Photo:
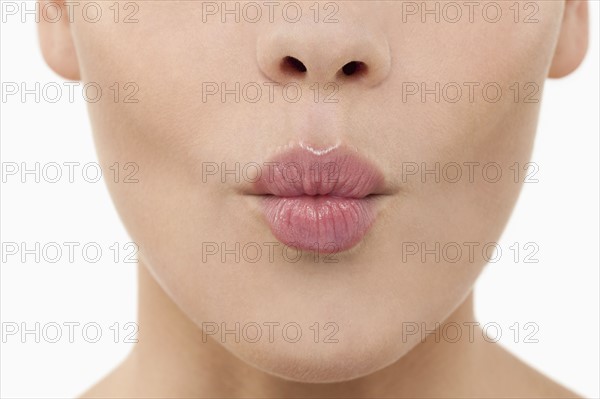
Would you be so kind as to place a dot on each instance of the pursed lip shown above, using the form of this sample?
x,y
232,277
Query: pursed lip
x,y
319,201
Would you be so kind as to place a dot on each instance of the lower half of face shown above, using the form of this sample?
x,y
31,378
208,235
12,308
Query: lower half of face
x,y
441,106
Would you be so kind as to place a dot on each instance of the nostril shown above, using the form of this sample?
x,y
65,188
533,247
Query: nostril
x,y
291,64
354,67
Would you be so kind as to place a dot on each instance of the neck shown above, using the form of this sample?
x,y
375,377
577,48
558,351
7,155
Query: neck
x,y
173,359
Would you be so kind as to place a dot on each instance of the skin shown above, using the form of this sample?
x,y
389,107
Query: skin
x,y
369,294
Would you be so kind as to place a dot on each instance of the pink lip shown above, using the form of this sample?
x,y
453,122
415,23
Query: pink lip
x,y
322,202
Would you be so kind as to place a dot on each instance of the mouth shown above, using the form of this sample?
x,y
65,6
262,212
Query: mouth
x,y
320,202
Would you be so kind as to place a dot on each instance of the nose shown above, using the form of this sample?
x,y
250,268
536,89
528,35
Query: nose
x,y
312,52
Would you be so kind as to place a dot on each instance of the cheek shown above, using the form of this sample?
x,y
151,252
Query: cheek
x,y
465,100
153,74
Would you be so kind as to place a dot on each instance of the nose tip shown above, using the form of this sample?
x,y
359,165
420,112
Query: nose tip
x,y
324,54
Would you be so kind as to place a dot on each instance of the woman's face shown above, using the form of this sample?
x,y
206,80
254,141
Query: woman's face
x,y
421,121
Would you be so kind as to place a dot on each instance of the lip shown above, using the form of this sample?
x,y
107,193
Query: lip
x,y
321,201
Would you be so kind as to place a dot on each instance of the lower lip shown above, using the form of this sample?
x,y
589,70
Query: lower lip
x,y
325,224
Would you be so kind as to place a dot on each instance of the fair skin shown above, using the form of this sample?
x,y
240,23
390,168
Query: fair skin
x,y
370,295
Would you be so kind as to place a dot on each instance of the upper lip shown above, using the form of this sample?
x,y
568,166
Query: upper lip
x,y
339,172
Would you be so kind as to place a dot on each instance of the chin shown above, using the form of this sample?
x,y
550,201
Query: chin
x,y
353,356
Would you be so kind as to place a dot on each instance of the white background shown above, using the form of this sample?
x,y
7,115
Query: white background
x,y
560,213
